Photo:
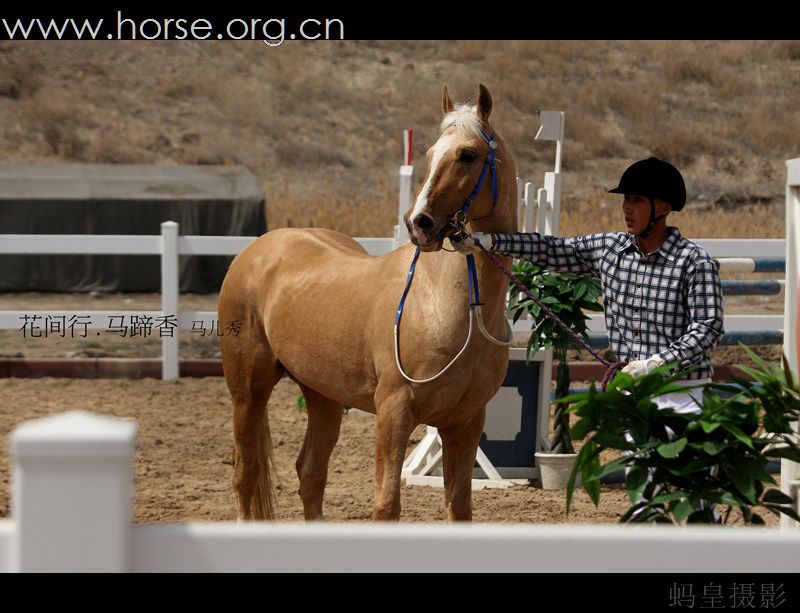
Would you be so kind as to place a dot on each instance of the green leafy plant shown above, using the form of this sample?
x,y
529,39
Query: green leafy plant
x,y
718,457
302,406
567,295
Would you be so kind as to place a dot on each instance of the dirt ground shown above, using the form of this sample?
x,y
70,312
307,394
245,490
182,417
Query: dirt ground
x,y
183,456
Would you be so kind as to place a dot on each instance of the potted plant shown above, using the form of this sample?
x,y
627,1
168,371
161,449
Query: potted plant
x,y
718,457
568,295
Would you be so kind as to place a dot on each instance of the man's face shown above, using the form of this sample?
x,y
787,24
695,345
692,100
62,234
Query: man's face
x,y
637,212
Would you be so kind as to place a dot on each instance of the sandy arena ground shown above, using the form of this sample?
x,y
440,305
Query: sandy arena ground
x,y
183,459
183,456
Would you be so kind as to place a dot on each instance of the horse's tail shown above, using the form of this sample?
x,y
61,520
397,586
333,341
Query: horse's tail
x,y
253,463
262,504
251,371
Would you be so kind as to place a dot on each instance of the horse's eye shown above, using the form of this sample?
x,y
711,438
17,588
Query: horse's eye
x,y
467,156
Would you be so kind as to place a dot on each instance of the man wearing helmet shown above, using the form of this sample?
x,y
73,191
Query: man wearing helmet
x,y
662,293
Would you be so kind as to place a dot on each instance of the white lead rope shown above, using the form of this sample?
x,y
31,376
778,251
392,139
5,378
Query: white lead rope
x,y
481,327
488,336
444,370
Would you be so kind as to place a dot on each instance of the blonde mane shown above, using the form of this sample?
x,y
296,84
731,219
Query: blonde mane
x,y
465,118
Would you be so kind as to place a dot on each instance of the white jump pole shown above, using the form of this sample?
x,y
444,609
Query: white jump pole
x,y
548,220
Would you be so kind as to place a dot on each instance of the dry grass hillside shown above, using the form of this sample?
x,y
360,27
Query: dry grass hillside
x,y
321,123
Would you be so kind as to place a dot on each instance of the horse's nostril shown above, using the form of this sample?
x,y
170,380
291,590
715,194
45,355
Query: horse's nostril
x,y
423,222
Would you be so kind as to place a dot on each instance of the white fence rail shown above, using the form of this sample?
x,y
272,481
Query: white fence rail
x,y
71,511
170,246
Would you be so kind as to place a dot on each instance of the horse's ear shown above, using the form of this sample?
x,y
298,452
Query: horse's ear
x,y
447,104
484,103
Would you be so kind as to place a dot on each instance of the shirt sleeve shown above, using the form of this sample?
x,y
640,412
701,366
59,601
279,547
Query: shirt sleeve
x,y
578,254
705,329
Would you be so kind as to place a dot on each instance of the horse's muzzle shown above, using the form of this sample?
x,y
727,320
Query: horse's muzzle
x,y
428,234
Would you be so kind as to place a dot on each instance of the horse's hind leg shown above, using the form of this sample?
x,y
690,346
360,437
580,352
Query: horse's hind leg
x,y
251,371
322,433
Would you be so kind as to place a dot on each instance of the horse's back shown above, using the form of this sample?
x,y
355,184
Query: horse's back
x,y
288,252
286,241
311,293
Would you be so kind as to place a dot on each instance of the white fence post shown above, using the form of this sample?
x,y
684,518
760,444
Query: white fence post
x,y
170,296
790,471
552,128
72,493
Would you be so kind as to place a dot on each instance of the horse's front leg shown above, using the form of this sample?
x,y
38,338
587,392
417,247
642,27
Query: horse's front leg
x,y
395,423
459,450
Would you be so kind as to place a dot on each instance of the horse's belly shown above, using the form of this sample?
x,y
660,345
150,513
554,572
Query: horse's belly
x,y
316,324
326,353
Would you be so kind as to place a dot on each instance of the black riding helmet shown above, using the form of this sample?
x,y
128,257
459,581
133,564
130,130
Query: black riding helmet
x,y
653,178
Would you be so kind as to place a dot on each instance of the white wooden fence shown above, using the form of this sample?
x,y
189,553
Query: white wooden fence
x,y
169,245
71,511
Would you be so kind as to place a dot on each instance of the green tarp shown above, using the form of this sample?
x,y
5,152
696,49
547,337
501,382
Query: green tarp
x,y
123,199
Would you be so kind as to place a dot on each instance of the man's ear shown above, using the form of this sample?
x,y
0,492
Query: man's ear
x,y
663,207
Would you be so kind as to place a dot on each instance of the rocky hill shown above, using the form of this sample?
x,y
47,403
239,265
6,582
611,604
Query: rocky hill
x,y
321,122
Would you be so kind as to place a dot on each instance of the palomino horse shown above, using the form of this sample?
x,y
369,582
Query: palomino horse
x,y
315,306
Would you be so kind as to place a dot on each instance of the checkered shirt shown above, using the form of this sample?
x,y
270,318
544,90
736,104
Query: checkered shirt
x,y
668,302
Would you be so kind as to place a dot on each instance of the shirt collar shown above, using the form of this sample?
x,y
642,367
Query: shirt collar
x,y
625,242
668,248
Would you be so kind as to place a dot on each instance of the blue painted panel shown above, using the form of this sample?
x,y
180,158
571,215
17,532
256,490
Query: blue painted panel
x,y
519,452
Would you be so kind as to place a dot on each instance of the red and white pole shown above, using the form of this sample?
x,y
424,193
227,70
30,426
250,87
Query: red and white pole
x,y
407,150
406,178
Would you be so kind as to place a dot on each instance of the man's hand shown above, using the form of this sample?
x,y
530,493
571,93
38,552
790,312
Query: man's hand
x,y
637,368
470,243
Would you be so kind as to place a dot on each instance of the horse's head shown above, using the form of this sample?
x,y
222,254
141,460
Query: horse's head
x,y
456,164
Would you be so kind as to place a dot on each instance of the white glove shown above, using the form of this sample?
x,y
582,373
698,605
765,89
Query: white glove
x,y
637,368
470,243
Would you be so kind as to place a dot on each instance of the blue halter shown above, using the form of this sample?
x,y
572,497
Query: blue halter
x,y
487,164
472,271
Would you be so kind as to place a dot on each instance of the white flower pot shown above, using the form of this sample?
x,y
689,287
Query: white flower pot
x,y
555,469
